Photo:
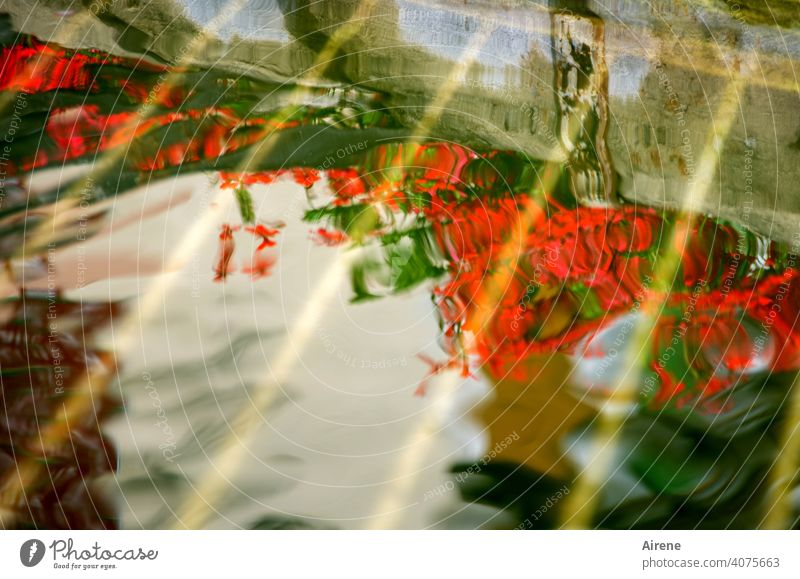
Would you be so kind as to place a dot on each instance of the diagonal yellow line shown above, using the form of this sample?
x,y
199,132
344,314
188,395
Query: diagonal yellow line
x,y
223,198
195,511
580,505
80,401
483,309
389,508
784,475
108,160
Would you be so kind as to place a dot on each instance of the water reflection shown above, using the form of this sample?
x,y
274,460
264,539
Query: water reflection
x,y
572,302
45,354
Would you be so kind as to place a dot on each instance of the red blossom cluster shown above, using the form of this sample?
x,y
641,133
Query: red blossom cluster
x,y
577,269
305,177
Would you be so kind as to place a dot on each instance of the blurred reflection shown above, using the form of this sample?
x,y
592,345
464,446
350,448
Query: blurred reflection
x,y
45,350
539,276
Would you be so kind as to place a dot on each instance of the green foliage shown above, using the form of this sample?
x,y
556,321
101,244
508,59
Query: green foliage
x,y
245,202
404,262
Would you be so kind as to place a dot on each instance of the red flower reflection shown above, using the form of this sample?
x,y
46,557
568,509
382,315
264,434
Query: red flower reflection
x,y
227,246
266,234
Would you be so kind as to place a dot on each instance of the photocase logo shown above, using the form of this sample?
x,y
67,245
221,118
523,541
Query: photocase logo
x,y
31,552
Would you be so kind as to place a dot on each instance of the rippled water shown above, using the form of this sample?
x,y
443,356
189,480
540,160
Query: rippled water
x,y
398,265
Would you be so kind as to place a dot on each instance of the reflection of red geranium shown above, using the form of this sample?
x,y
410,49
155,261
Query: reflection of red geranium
x,y
327,237
578,269
574,270
36,67
266,234
261,266
227,246
346,184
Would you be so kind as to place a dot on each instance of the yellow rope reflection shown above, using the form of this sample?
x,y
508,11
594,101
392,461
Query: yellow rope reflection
x,y
580,505
197,508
